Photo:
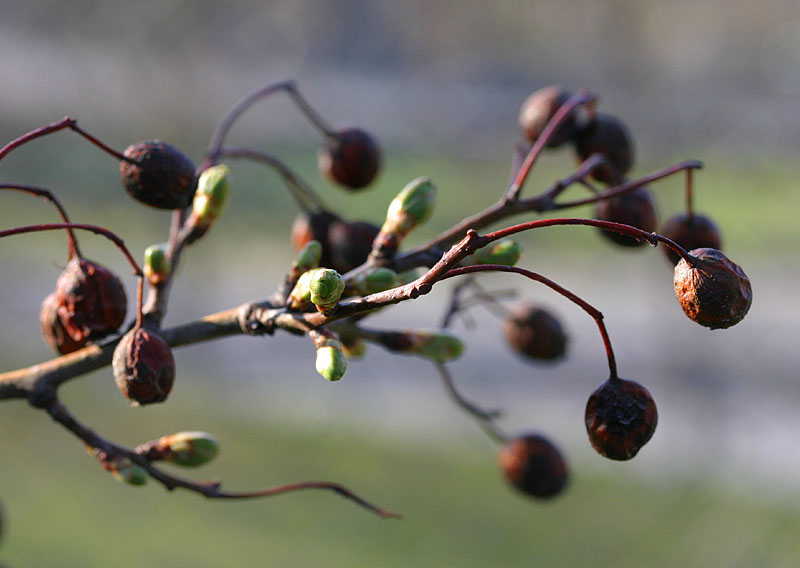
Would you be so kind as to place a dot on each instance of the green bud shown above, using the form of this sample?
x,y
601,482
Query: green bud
x,y
326,287
309,256
190,449
331,362
213,191
375,280
156,264
127,472
504,251
438,346
411,207
300,295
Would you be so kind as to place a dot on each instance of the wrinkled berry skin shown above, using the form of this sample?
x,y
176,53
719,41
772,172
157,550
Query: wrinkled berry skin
x,y
716,293
163,177
621,417
351,158
90,303
635,208
609,136
539,108
53,331
534,333
144,368
533,465
350,244
691,232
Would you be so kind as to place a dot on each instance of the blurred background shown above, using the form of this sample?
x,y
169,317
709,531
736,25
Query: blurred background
x,y
440,85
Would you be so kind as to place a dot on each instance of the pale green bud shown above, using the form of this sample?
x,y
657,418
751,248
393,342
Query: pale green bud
x,y
156,264
331,362
190,449
436,345
213,192
126,471
504,251
326,287
411,207
309,256
375,280
300,295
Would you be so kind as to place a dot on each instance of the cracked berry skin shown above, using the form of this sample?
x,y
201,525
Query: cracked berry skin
x,y
144,369
691,232
534,333
53,331
350,158
621,417
90,302
162,177
534,466
713,291
609,136
635,208
537,110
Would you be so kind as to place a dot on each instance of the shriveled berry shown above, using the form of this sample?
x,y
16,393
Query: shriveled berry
x,y
539,108
349,244
350,158
535,333
533,465
609,136
635,208
691,232
144,368
53,331
621,417
91,300
713,291
162,176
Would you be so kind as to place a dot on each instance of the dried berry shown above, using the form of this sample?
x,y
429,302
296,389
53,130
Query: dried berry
x,y
691,232
144,368
53,331
635,208
539,108
349,244
712,290
91,301
162,176
313,227
350,158
606,135
532,464
535,333
621,417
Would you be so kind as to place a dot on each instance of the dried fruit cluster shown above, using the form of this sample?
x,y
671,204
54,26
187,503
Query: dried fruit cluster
x,y
345,270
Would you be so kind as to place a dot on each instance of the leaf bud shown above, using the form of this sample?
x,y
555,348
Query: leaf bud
x,y
439,346
300,296
157,266
375,280
309,256
504,251
213,192
326,286
124,470
188,449
331,362
411,207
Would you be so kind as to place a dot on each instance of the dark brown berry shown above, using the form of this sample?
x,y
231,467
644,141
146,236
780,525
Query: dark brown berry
x,y
350,158
162,177
350,244
539,108
313,226
533,465
691,232
144,368
53,331
91,301
535,333
621,417
635,208
606,135
712,290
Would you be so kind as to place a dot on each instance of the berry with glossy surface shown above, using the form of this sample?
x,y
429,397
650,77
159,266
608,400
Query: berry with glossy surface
x,y
350,158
